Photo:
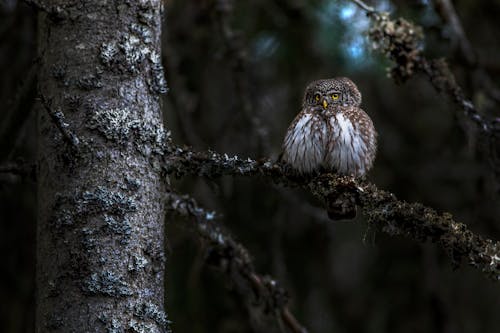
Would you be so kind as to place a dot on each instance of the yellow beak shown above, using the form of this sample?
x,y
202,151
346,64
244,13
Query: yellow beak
x,y
325,104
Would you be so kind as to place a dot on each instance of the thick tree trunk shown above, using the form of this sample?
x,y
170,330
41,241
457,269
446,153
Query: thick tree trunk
x,y
100,260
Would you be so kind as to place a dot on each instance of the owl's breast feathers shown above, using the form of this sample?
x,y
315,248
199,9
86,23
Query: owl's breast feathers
x,y
305,141
342,139
352,142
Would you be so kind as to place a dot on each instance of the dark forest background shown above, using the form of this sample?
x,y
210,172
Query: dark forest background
x,y
236,73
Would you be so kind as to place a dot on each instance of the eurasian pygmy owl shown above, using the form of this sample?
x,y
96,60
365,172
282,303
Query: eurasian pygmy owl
x,y
331,132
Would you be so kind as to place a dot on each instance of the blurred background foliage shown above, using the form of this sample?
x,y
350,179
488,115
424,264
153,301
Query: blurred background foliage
x,y
236,72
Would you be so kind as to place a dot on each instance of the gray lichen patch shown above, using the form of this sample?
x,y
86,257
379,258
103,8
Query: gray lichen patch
x,y
148,310
492,259
124,55
58,71
144,32
146,16
114,124
123,126
143,317
137,262
158,82
132,184
133,52
104,200
106,283
71,208
118,226
135,326
89,239
109,53
89,81
128,51
113,325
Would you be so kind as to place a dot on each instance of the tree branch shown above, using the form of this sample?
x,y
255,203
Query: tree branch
x,y
448,14
446,10
401,42
58,120
21,169
262,294
381,208
364,6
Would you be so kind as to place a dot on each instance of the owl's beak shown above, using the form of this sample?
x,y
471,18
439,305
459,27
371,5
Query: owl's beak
x,y
325,104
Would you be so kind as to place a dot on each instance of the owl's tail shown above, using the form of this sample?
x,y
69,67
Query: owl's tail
x,y
341,206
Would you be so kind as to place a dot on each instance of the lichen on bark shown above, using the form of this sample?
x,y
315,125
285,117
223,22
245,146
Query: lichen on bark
x,y
100,256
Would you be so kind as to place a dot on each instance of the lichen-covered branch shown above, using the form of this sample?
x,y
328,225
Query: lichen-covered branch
x,y
382,209
263,296
402,42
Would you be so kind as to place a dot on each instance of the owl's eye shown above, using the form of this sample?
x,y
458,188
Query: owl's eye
x,y
335,96
317,97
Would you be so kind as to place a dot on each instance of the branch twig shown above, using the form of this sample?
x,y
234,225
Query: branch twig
x,y
364,6
58,119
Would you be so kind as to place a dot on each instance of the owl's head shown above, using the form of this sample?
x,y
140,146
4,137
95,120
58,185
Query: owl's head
x,y
339,90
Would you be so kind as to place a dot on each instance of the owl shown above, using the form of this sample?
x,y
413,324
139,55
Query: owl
x,y
331,132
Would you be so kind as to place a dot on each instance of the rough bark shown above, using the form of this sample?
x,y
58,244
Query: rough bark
x,y
100,250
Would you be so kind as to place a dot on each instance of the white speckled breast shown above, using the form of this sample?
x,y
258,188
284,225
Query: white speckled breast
x,y
305,142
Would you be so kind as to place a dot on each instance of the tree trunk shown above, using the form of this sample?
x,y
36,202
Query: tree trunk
x,y
100,250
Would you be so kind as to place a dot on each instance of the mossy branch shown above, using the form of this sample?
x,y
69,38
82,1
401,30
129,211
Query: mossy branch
x,y
264,297
401,42
381,208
